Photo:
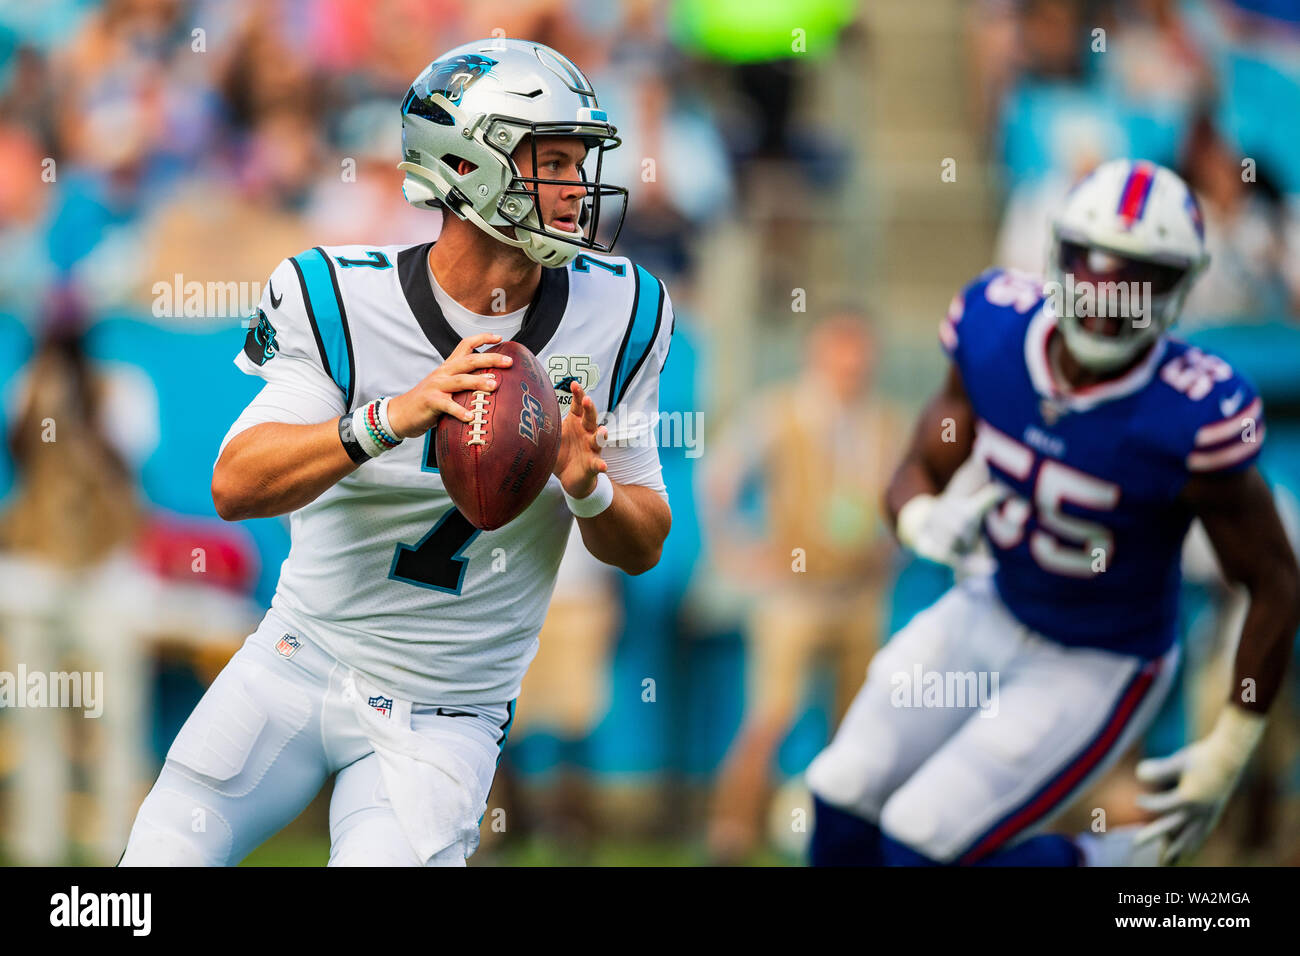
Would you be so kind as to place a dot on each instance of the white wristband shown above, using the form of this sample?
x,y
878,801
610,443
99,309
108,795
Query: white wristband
x,y
361,429
368,444
596,502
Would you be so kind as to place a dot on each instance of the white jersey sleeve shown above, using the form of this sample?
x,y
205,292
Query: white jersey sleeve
x,y
288,343
286,347
284,402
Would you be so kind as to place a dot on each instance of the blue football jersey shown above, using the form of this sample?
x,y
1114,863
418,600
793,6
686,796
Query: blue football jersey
x,y
1088,547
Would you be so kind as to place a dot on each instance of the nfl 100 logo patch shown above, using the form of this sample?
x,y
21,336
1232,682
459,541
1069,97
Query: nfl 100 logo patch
x,y
287,646
382,704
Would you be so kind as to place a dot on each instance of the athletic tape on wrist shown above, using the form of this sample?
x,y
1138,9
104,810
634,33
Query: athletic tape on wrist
x,y
596,502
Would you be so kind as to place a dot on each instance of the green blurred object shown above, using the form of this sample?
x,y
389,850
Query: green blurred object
x,y
758,31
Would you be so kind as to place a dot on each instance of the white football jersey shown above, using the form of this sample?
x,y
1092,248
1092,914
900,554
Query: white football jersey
x,y
383,571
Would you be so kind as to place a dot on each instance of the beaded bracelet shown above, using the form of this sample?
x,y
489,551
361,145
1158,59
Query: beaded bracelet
x,y
373,431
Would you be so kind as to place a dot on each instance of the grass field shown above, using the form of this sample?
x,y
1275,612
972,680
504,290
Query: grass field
x,y
289,850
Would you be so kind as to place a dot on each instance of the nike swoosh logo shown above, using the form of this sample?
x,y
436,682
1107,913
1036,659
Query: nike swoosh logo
x,y
451,713
1229,405
275,303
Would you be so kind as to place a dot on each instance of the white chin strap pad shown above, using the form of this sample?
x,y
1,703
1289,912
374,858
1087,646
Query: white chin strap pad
x,y
550,253
421,185
417,191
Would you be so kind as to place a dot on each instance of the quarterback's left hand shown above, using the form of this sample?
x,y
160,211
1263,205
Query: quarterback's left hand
x,y
579,462
1205,774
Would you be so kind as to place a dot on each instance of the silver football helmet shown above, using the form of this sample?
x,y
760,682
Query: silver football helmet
x,y
477,103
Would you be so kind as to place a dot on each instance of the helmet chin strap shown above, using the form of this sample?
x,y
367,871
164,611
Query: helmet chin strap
x,y
552,254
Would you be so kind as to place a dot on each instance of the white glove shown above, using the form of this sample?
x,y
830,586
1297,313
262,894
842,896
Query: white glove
x,y
947,528
1206,772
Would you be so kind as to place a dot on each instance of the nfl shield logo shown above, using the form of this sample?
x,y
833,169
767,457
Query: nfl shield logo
x,y
382,704
1050,411
287,646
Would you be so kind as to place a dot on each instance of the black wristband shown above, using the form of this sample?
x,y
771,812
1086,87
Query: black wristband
x,y
349,439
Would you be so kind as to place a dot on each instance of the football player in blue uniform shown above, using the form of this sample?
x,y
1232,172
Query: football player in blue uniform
x,y
1094,440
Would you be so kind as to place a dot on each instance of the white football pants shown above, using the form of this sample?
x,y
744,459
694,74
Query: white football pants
x,y
972,732
413,779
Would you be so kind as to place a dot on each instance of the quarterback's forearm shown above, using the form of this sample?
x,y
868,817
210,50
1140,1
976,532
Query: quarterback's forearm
x,y
274,468
630,533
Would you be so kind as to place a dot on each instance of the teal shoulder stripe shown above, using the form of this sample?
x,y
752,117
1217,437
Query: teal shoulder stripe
x,y
642,329
328,317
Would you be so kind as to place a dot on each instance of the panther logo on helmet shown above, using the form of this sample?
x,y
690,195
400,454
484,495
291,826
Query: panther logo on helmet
x,y
449,77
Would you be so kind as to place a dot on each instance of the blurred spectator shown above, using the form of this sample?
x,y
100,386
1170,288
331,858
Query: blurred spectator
x,y
360,199
75,503
386,42
1050,96
1155,57
234,228
265,74
1026,228
672,159
1251,234
28,99
25,269
822,446
1053,39
65,540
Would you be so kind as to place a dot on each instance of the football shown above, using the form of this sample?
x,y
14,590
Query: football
x,y
494,466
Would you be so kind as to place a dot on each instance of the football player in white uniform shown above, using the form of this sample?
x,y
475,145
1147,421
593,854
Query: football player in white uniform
x,y
399,634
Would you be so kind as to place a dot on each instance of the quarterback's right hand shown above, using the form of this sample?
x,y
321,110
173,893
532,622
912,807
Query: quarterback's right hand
x,y
415,412
946,528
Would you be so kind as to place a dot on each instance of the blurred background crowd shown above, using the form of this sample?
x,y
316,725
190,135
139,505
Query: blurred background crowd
x,y
813,180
